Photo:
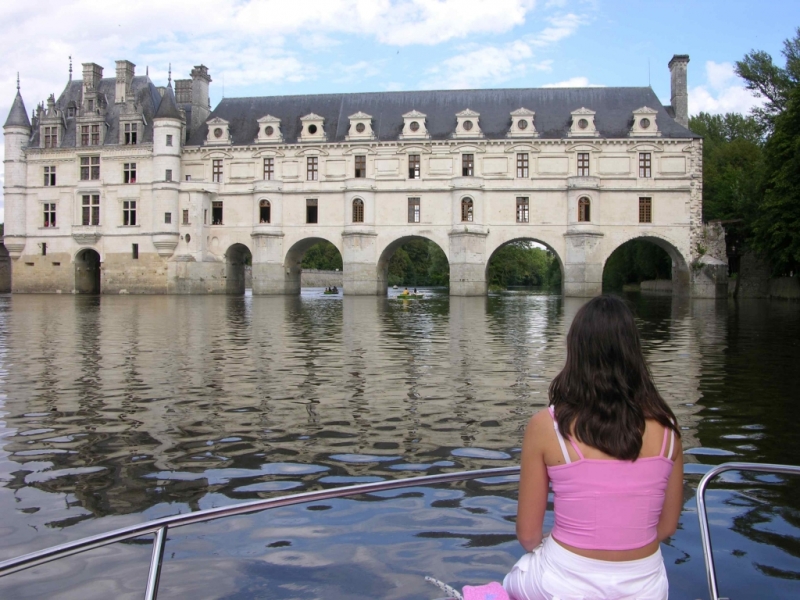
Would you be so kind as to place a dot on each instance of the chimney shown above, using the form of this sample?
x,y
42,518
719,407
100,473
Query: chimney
x,y
125,74
92,74
679,97
201,106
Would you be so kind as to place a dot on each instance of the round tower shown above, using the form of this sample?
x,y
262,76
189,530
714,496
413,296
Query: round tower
x,y
168,125
17,132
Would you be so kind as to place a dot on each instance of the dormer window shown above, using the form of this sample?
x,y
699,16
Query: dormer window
x,y
269,129
218,131
522,124
583,123
131,133
467,124
414,126
90,105
644,123
51,137
313,128
360,127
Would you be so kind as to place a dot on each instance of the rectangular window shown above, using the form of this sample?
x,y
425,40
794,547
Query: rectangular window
x,y
135,251
49,176
49,214
312,166
361,166
216,212
205,216
216,170
90,105
583,164
167,218
84,135
645,164
413,210
129,212
522,164
467,165
169,140
131,133
269,169
95,135
168,175
90,205
44,249
185,216
90,168
523,210
264,211
312,211
645,210
129,172
51,137
413,166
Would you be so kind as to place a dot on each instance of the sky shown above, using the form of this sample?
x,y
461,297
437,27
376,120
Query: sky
x,y
275,47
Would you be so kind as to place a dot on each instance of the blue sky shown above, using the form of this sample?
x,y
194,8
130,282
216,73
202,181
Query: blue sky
x,y
265,47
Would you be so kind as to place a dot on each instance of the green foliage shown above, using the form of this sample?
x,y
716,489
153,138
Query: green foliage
x,y
323,256
634,262
419,262
771,82
733,165
777,227
523,264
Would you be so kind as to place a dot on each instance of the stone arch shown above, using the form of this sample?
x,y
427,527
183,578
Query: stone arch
x,y
88,272
389,250
294,257
525,238
237,257
681,271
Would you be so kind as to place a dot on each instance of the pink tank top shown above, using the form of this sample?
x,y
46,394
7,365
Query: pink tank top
x,y
609,504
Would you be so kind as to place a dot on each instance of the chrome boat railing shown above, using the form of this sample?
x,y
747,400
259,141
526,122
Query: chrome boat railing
x,y
702,513
160,527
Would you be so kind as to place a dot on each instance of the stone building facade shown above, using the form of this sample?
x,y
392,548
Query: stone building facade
x,y
121,186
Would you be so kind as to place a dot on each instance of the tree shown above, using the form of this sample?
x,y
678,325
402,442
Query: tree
x,y
732,165
324,256
523,264
777,227
771,82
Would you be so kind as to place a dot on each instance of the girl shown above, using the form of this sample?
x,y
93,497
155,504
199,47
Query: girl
x,y
617,479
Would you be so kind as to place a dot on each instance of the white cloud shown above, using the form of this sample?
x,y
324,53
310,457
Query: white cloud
x,y
722,93
572,82
560,27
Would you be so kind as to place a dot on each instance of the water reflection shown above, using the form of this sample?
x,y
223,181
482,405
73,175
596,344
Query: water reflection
x,y
122,409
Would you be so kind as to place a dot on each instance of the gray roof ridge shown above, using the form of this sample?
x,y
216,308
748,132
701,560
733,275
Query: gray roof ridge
x,y
398,92
18,115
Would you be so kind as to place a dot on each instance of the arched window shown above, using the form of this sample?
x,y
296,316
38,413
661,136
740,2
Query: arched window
x,y
264,211
584,214
358,211
466,209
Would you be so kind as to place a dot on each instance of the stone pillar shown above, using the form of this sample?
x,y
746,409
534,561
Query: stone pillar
x,y
270,275
468,260
360,275
583,264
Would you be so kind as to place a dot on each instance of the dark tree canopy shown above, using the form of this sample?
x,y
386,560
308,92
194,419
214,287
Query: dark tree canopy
x,y
324,256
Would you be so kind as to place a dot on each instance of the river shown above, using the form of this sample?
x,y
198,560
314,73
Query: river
x,y
117,410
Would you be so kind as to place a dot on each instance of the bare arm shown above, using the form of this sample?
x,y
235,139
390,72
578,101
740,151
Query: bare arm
x,y
673,501
533,484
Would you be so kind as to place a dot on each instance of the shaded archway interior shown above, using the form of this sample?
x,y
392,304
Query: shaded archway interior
x,y
623,264
87,272
237,258
385,261
293,263
559,282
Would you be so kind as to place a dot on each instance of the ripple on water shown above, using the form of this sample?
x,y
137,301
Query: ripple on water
x,y
363,458
480,453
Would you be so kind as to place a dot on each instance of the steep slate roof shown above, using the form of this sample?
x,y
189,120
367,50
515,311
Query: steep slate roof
x,y
17,116
168,109
614,107
147,99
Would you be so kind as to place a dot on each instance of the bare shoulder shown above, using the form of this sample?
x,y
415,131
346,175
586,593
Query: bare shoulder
x,y
539,423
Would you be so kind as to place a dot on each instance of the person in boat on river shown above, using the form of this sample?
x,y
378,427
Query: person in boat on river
x,y
610,447
405,292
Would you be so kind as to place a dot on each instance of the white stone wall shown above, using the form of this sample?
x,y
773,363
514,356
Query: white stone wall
x,y
198,249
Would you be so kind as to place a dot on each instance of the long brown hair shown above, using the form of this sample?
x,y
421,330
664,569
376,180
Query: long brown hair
x,y
605,391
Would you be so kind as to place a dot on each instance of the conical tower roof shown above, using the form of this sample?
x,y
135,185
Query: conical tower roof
x,y
18,116
168,109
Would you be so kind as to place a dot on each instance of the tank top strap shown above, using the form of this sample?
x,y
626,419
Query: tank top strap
x,y
577,450
559,436
664,443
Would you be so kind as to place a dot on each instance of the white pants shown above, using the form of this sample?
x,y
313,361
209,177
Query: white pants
x,y
551,572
